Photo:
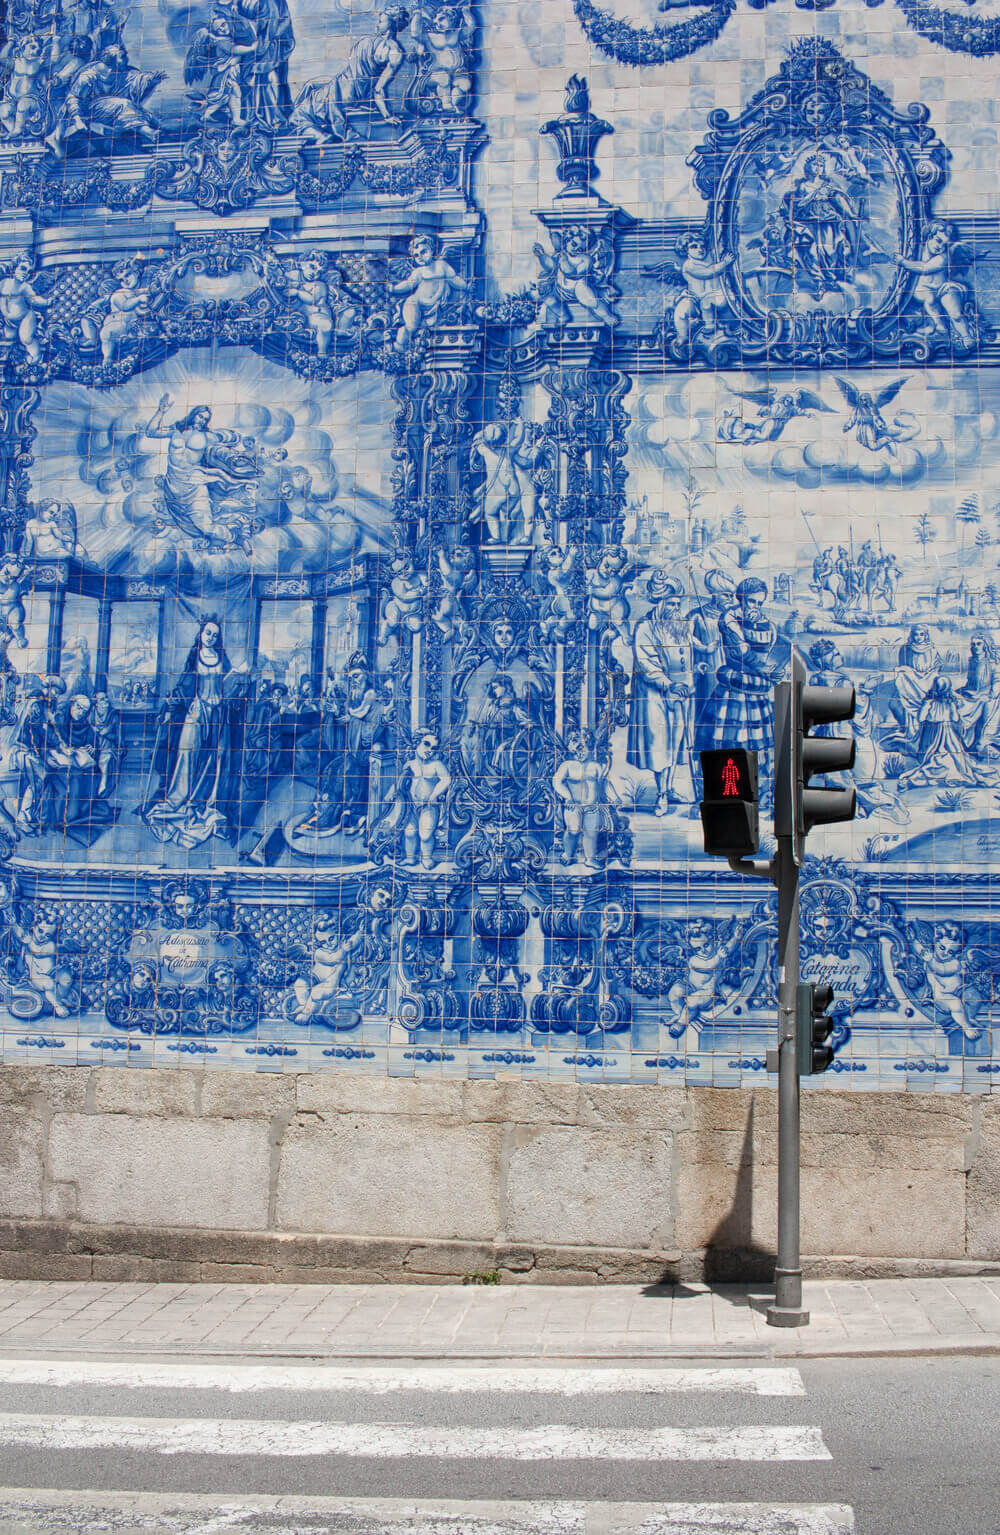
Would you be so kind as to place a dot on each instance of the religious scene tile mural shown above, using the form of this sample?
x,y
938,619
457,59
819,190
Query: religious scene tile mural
x,y
423,428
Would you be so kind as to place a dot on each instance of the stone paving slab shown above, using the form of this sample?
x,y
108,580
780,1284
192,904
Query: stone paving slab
x,y
448,1321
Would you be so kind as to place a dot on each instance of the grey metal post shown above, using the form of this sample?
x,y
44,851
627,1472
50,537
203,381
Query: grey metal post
x,y
787,1309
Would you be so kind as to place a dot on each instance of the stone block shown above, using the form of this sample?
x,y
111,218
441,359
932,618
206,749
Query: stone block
x,y
332,1094
714,1202
47,1088
161,1093
881,1212
22,1163
377,1175
983,1184
640,1106
593,1187
185,1172
524,1103
240,1095
726,1108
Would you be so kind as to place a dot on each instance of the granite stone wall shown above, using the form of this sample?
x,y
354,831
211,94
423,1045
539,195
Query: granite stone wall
x,y
185,1175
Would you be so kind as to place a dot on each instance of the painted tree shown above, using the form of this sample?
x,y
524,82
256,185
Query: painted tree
x,y
925,531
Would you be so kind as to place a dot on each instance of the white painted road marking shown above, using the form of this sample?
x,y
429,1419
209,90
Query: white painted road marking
x,y
54,1512
554,1441
377,1381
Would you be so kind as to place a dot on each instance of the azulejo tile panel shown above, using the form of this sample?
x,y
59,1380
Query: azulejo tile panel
x,y
422,429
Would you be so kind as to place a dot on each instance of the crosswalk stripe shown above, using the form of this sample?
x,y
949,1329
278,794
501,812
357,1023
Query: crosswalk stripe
x,y
209,1514
376,1381
250,1436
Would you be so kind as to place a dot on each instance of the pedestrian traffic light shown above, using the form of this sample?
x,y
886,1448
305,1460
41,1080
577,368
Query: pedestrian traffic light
x,y
812,1004
729,815
801,755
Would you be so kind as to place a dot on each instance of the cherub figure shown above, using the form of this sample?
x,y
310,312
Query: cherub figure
x,y
694,994
310,287
51,534
506,501
19,306
429,285
558,610
11,599
443,35
41,960
330,959
402,604
944,965
608,608
458,577
582,786
939,292
576,274
127,304
698,307
23,108
415,803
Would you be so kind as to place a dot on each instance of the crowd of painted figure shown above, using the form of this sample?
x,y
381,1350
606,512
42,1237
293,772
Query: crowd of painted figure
x,y
704,677
69,78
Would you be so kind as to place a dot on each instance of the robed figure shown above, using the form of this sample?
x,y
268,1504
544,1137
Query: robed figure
x,y
196,751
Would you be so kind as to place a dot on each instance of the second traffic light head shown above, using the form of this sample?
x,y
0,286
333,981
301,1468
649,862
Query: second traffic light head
x,y
824,754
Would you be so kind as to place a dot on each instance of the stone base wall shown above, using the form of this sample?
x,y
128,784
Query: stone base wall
x,y
121,1174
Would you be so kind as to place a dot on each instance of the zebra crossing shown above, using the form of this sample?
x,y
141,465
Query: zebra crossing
x,y
207,1430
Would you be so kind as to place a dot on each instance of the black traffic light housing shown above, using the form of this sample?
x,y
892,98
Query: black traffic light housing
x,y
800,755
729,810
814,1027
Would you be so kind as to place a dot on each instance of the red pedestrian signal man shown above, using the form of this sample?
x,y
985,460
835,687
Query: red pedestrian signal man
x,y
730,780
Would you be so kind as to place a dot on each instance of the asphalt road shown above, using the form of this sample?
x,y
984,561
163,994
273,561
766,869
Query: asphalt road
x,y
912,1446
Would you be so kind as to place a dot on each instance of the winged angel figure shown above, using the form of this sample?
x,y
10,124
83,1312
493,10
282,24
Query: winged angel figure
x,y
868,423
776,409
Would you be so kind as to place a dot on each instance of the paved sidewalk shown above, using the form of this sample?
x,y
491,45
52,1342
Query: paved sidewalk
x,y
620,1322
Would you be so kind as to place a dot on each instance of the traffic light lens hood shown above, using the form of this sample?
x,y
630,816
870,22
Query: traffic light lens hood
x,y
825,706
826,754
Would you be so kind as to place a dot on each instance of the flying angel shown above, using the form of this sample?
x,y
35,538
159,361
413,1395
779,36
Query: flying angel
x,y
867,422
776,409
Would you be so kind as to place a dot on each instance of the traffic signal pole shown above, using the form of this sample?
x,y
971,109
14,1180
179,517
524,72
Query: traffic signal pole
x,y
798,755
787,1309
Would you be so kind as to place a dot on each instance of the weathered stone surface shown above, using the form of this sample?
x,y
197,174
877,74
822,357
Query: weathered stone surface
x,y
644,1107
246,1095
589,1186
983,1184
526,1103
379,1176
333,1094
145,1092
878,1212
22,1162
714,1203
157,1171
49,1088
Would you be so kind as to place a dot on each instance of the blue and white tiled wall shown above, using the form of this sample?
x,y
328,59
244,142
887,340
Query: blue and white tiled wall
x,y
421,430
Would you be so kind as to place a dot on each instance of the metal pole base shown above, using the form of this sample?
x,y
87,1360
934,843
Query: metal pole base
x,y
786,1316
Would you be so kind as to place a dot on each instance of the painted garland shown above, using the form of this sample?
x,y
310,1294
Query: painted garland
x,y
661,44
651,45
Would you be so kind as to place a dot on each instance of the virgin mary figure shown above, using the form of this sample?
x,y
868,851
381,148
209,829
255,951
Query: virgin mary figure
x,y
193,752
